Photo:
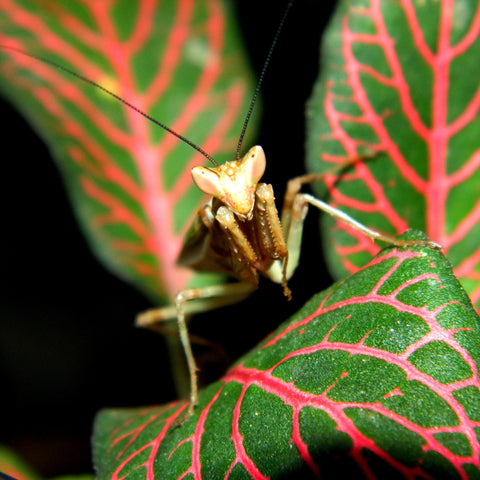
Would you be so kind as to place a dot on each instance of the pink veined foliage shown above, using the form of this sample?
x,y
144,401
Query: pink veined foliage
x,y
304,403
375,377
130,180
400,85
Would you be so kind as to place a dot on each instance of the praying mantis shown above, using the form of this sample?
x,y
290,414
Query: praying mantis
x,y
240,232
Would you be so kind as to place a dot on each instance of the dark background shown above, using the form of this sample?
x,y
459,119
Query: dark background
x,y
68,346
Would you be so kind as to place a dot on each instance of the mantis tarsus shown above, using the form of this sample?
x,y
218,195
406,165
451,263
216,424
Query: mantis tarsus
x,y
239,231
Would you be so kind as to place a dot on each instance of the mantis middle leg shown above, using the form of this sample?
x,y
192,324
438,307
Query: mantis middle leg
x,y
295,209
191,301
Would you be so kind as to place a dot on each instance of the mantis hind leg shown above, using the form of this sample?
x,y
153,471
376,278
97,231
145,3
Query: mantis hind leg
x,y
190,301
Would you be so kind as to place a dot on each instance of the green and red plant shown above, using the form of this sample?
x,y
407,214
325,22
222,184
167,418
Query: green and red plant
x,y
401,79
378,375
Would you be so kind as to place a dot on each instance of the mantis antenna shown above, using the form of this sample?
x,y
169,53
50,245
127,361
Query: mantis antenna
x,y
146,115
260,79
114,95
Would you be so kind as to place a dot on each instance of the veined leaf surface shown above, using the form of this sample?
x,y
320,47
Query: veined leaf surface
x,y
129,181
376,377
402,79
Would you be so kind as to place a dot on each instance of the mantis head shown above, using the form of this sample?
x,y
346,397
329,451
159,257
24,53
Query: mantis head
x,y
234,183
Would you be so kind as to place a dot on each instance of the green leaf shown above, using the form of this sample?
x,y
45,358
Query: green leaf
x,y
16,467
400,79
375,377
129,180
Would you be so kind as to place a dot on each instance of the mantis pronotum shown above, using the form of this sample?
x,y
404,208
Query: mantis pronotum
x,y
239,231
